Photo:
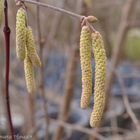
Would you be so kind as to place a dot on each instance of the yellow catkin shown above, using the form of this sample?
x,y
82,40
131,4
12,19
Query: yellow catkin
x,y
1,11
29,74
86,67
31,48
100,74
21,33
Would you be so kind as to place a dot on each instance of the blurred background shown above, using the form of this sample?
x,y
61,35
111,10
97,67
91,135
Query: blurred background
x,y
53,112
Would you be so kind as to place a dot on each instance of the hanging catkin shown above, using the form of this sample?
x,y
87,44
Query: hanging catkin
x,y
21,33
1,11
85,56
31,48
29,74
100,74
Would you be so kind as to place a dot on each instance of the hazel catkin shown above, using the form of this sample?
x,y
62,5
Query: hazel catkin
x,y
21,33
30,44
1,11
85,57
100,76
29,74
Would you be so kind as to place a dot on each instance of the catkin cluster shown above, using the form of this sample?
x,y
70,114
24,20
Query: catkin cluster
x,y
85,56
21,33
86,41
29,74
100,74
31,48
25,48
1,11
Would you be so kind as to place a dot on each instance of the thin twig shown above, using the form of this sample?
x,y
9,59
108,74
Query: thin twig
x,y
126,102
70,81
121,36
32,109
78,128
72,14
6,31
42,87
68,96
54,8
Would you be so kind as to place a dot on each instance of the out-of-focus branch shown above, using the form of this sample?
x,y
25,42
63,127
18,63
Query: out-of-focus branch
x,y
70,81
78,128
55,22
32,110
126,102
134,24
42,75
106,35
68,95
121,36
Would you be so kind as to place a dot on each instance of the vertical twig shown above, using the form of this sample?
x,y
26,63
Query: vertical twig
x,y
32,109
106,35
126,102
69,85
42,87
64,111
121,36
6,31
55,22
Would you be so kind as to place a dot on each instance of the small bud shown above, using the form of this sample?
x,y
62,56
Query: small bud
x,y
91,19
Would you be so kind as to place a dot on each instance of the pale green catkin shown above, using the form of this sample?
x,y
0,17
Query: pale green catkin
x,y
29,74
100,76
85,57
1,11
30,44
21,33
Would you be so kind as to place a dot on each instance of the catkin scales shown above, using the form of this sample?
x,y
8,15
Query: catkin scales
x,y
21,33
85,57
100,74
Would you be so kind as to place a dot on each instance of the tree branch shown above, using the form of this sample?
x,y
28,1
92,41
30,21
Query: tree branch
x,y
42,74
126,102
53,8
121,36
6,31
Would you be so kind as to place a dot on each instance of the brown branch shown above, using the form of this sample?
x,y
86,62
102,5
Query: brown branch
x,y
69,86
134,24
32,110
78,128
126,102
54,24
70,81
42,87
54,8
6,31
106,34
121,36
68,95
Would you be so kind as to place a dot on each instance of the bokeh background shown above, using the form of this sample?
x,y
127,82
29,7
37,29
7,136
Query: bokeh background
x,y
53,111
